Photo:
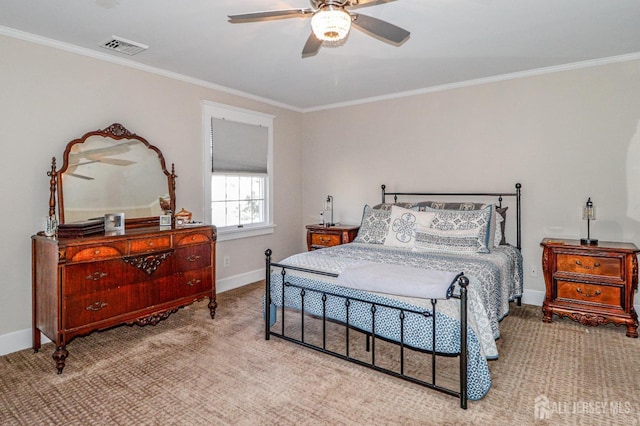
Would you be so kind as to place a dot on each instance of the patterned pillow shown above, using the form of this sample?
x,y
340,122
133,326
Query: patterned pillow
x,y
374,226
459,220
443,205
388,206
459,241
403,224
497,223
501,219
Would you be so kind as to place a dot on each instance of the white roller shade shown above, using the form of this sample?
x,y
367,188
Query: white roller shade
x,y
238,147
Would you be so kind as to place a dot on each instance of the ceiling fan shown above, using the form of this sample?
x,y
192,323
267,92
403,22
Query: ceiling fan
x,y
79,158
331,21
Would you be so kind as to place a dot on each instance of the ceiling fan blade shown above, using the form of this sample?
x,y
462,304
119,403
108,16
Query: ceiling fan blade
x,y
366,3
116,161
268,15
380,29
312,46
80,176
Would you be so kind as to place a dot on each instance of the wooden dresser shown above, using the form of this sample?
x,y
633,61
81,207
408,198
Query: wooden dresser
x,y
140,276
320,236
591,284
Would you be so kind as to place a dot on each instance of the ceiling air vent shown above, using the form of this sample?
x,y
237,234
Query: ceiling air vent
x,y
125,46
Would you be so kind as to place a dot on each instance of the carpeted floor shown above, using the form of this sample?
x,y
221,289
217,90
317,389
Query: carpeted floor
x,y
191,370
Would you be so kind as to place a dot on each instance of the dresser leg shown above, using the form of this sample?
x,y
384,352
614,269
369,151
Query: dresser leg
x,y
36,339
212,307
548,314
60,356
632,329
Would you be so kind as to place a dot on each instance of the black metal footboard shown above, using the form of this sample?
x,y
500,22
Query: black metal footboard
x,y
371,334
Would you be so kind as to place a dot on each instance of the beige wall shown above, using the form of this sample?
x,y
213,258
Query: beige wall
x,y
565,136
50,96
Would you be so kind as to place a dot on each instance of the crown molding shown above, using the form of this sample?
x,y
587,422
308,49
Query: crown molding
x,y
486,80
440,88
10,32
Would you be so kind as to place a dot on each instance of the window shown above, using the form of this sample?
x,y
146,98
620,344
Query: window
x,y
238,146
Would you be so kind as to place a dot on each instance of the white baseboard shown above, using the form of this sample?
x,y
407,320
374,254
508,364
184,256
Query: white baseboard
x,y
22,339
17,341
236,281
533,297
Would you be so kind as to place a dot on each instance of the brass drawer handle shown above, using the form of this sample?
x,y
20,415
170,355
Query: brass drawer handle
x,y
193,282
595,265
96,306
193,258
325,240
96,276
597,293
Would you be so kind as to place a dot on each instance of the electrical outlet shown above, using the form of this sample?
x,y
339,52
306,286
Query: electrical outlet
x,y
533,271
226,261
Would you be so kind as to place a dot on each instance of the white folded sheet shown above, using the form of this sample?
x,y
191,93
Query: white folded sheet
x,y
398,280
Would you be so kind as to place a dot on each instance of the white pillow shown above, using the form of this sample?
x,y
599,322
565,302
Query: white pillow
x,y
403,224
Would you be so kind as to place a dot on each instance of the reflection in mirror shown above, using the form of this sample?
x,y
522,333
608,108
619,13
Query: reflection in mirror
x,y
114,171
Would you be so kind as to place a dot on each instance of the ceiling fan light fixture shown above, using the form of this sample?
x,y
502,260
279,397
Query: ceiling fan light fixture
x,y
331,24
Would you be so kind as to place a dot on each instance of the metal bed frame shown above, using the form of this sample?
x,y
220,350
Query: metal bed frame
x,y
463,282
371,335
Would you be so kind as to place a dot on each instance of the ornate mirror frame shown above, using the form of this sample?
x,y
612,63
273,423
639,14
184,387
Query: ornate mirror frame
x,y
114,133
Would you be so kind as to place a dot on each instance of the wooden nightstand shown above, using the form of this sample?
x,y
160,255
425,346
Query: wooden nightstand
x,y
320,236
591,284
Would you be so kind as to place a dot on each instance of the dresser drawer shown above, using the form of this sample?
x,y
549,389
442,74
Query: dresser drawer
x,y
188,284
83,278
195,238
590,293
102,305
144,245
601,266
193,257
326,240
95,252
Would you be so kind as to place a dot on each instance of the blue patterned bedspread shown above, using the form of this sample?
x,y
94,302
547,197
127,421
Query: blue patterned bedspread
x,y
495,279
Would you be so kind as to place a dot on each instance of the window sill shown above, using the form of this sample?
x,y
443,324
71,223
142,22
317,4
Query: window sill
x,y
236,233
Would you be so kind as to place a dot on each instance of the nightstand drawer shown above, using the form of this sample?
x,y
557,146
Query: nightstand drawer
x,y
590,293
601,266
326,240
320,236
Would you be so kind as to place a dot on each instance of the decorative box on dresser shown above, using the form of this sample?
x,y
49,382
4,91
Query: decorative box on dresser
x,y
591,284
141,276
320,236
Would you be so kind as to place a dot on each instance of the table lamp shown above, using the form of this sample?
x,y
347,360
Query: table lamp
x,y
589,214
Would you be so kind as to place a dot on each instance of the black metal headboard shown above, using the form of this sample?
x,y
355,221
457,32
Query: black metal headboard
x,y
500,195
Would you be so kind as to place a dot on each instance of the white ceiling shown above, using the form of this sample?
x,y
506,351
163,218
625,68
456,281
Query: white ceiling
x,y
452,41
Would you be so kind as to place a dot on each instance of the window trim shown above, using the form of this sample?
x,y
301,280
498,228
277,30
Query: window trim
x,y
245,116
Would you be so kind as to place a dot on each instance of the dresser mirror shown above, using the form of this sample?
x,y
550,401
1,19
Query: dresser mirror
x,y
112,171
